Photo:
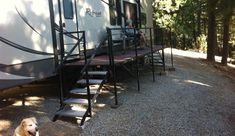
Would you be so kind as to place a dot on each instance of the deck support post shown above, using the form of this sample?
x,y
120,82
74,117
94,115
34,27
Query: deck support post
x,y
151,45
61,69
112,67
172,65
56,54
163,55
136,60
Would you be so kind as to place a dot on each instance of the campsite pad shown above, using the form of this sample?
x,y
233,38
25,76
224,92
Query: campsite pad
x,y
196,99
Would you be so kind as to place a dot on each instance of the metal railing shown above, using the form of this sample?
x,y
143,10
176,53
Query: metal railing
x,y
81,42
123,37
80,39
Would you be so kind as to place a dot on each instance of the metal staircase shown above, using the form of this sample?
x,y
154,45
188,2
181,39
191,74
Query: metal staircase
x,y
82,96
76,100
79,100
158,58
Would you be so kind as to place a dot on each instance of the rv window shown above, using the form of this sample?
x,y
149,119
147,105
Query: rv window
x,y
130,11
115,12
119,12
68,9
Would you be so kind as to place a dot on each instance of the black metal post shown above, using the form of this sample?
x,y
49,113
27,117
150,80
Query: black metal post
x,y
109,48
112,66
172,66
136,60
53,33
114,78
61,32
151,44
54,42
56,54
61,82
61,74
163,58
163,54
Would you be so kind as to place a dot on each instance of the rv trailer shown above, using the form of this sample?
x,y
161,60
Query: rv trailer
x,y
26,50
30,47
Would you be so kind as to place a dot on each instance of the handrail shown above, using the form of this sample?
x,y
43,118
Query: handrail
x,y
111,63
94,53
71,51
85,69
67,33
20,47
111,55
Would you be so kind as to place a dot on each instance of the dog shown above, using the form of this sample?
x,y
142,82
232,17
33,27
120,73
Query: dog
x,y
27,127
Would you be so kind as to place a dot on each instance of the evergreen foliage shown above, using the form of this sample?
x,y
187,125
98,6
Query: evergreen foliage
x,y
194,21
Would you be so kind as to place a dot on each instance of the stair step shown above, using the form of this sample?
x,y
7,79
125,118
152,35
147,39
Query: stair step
x,y
83,91
70,113
157,60
76,101
97,73
156,54
91,81
158,64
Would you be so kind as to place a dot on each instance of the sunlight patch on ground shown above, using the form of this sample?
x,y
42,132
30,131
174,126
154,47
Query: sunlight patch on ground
x,y
78,108
29,101
231,65
191,54
35,98
21,103
194,54
100,105
198,83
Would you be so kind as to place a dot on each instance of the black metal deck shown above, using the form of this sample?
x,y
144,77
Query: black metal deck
x,y
119,57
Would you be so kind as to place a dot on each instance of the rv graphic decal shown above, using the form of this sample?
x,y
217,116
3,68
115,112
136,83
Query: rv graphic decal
x,y
26,21
21,47
93,13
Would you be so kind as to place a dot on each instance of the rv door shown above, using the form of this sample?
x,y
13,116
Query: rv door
x,y
69,19
69,23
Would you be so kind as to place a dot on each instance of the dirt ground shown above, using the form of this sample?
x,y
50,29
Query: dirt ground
x,y
196,99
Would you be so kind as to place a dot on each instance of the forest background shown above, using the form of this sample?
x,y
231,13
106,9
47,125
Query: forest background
x,y
204,25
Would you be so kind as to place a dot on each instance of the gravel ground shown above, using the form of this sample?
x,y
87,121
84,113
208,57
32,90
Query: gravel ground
x,y
196,99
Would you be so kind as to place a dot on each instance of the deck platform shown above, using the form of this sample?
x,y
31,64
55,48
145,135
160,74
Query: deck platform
x,y
119,57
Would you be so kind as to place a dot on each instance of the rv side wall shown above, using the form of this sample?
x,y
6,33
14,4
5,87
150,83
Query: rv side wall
x,y
25,24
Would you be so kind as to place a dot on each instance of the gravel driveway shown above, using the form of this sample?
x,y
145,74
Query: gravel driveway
x,y
197,99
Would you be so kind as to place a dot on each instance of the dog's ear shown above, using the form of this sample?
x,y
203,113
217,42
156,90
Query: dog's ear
x,y
23,123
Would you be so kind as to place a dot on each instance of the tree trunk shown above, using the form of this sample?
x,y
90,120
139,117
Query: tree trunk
x,y
211,40
225,40
199,13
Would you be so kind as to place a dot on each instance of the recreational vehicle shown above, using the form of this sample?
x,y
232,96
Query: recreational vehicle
x,y
30,46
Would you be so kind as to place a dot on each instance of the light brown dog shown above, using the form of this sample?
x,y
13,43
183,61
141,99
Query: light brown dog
x,y
27,127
